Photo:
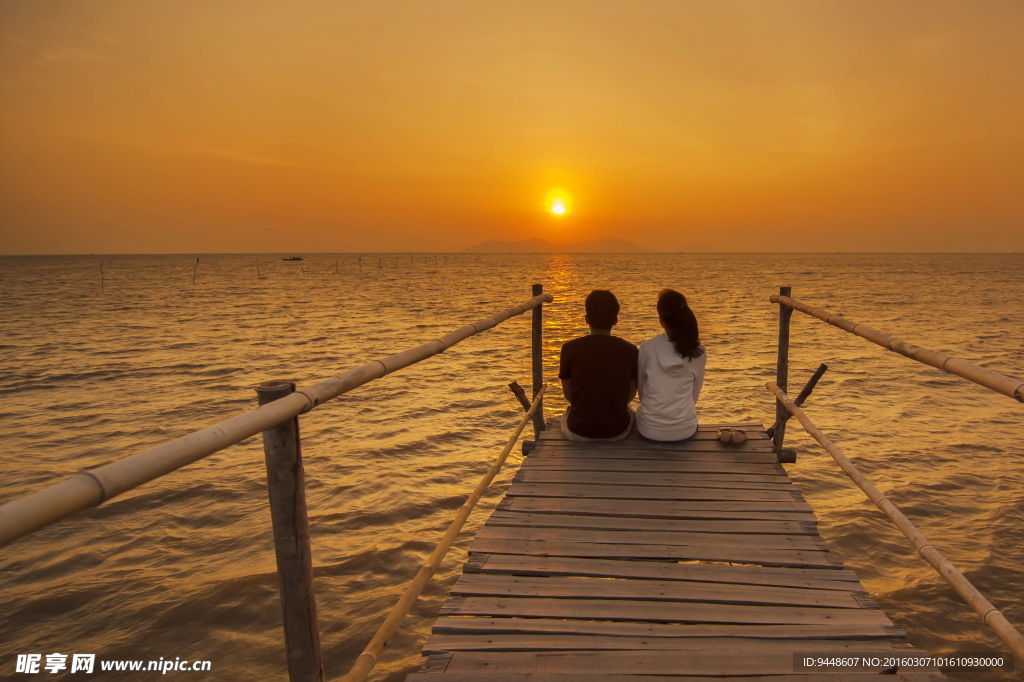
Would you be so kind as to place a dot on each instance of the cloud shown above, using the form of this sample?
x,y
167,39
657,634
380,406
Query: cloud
x,y
108,39
64,53
245,157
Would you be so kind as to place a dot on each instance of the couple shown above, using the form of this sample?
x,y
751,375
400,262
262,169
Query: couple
x,y
602,373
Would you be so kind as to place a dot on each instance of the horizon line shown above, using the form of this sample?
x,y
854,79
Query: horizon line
x,y
496,253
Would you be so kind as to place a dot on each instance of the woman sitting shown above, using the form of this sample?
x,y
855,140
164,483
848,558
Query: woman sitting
x,y
671,373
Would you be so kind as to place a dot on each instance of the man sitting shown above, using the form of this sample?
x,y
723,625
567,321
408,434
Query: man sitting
x,y
598,374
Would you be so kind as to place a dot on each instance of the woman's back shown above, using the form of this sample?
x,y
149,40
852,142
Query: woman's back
x,y
669,385
671,372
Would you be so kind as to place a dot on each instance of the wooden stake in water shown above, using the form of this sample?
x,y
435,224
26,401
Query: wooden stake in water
x,y
335,266
101,277
360,263
287,488
259,275
194,271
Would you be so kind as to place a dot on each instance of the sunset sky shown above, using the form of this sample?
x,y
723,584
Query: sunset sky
x,y
201,126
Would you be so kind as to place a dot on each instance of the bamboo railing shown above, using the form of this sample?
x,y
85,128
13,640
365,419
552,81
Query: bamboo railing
x,y
92,487
990,615
368,658
999,383
277,418
994,381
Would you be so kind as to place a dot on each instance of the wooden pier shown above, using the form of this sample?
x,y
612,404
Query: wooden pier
x,y
632,560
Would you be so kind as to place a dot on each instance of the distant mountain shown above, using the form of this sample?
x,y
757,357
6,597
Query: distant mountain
x,y
543,246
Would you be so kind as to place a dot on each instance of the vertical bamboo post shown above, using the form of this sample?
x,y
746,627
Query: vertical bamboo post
x,y
287,487
194,270
102,283
782,370
537,353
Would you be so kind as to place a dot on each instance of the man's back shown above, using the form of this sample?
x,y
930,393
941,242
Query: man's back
x,y
598,371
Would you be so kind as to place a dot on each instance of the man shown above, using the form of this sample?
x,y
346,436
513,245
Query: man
x,y
598,374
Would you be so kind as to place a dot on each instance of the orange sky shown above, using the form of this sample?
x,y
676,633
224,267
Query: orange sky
x,y
253,126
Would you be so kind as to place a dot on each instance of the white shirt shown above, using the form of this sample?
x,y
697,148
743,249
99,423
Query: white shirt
x,y
669,386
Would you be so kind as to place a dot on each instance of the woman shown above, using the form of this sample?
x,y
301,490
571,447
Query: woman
x,y
671,373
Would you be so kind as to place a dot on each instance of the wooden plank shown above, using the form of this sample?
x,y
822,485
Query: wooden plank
x,y
648,465
689,479
515,641
761,527
481,585
662,509
633,492
668,538
704,442
763,456
760,661
819,579
704,432
658,612
550,626
738,555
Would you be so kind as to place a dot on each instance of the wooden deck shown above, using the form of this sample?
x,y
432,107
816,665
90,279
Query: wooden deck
x,y
622,561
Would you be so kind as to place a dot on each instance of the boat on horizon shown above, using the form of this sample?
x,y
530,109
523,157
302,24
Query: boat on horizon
x,y
294,258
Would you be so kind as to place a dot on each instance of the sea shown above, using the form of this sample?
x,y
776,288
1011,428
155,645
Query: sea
x,y
106,356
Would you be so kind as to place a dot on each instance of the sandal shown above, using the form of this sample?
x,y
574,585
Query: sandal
x,y
730,436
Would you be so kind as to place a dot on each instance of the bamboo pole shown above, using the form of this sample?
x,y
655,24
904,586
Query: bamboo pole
x,y
990,615
999,383
804,394
102,283
93,487
782,371
368,658
194,270
286,487
537,358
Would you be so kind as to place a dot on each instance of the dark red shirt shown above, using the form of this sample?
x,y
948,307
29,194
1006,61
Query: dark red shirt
x,y
598,369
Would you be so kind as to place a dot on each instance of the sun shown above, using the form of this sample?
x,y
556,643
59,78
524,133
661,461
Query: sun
x,y
559,202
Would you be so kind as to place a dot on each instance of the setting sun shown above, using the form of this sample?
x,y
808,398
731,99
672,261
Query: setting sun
x,y
559,202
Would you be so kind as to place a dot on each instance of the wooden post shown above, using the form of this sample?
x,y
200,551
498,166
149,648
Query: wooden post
x,y
782,370
287,487
538,361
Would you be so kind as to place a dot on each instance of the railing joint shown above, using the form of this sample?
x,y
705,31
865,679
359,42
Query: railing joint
x,y
310,402
104,494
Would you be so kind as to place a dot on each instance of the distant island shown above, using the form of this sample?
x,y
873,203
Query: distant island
x,y
535,245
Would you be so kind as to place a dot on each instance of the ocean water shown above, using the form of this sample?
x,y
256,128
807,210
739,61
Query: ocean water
x,y
184,566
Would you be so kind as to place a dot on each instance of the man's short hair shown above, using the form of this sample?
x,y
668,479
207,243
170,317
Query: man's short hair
x,y
602,309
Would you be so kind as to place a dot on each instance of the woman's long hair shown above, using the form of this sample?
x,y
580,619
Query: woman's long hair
x,y
680,323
